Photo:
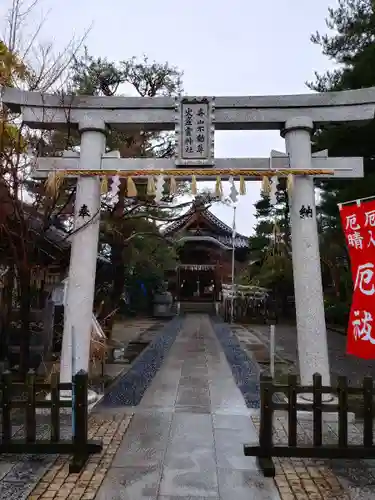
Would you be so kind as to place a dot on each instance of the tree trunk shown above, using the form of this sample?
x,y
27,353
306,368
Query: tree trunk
x,y
119,275
118,267
118,284
6,312
25,309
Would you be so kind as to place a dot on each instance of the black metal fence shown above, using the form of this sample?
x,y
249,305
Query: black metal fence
x,y
79,446
317,449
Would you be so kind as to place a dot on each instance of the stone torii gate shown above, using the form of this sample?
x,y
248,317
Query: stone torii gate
x,y
194,121
112,163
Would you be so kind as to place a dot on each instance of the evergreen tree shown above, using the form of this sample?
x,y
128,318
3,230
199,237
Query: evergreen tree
x,y
97,76
351,44
270,247
271,218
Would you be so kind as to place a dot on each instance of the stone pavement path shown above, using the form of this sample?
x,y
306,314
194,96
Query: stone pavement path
x,y
174,428
187,434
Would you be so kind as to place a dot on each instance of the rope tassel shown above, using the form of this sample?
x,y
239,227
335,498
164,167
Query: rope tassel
x,y
218,187
266,186
131,188
104,185
290,184
242,185
151,186
54,182
172,186
193,185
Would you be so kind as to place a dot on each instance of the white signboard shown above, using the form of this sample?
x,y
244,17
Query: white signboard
x,y
195,133
197,267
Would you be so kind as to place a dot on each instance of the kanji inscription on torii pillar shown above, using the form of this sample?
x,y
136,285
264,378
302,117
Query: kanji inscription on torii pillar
x,y
195,131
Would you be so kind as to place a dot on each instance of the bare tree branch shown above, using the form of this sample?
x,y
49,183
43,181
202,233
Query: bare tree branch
x,y
46,70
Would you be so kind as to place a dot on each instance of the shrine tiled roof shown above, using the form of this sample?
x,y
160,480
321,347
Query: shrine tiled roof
x,y
239,242
225,237
53,234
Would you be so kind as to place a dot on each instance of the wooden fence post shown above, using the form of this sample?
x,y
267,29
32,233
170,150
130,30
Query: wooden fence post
x,y
80,416
265,461
6,406
292,410
30,408
55,407
267,450
368,409
317,410
342,390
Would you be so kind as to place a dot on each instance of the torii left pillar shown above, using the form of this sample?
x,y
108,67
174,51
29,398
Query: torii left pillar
x,y
84,248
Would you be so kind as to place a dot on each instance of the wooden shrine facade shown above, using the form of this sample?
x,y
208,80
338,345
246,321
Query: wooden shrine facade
x,y
205,256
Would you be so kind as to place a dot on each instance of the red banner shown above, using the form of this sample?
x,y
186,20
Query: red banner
x,y
358,222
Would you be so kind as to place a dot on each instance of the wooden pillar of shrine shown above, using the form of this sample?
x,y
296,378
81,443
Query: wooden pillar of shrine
x,y
178,284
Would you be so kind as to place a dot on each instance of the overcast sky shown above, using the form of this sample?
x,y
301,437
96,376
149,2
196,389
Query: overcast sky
x,y
241,47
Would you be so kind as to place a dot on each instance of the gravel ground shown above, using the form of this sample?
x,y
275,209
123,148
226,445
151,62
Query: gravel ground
x,y
340,363
129,389
245,371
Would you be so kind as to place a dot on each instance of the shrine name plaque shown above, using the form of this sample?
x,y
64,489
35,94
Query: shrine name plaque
x,y
195,132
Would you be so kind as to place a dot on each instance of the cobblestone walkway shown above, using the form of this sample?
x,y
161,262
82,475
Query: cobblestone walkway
x,y
338,479
57,483
310,479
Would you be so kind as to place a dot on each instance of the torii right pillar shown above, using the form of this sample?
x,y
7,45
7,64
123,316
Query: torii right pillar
x,y
308,289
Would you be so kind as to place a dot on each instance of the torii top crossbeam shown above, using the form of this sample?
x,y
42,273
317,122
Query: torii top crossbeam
x,y
159,113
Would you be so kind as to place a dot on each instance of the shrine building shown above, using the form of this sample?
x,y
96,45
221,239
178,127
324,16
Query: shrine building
x,y
205,249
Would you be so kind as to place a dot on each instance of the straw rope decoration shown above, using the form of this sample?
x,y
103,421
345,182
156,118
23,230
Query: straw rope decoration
x,y
214,172
266,185
104,185
151,189
173,186
54,182
193,184
218,187
290,184
131,188
56,177
242,185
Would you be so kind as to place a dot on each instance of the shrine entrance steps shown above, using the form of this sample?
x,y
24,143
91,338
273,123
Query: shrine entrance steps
x,y
198,307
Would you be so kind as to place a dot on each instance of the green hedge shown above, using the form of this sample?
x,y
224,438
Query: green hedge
x,y
337,314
